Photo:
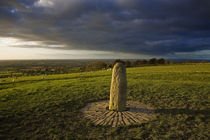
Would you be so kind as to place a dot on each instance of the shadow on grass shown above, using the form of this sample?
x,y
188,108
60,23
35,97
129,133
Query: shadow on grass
x,y
182,111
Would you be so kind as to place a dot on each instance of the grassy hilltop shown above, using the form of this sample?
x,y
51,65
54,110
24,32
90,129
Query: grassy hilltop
x,y
48,108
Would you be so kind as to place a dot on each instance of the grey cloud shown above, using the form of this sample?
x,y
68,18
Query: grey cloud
x,y
137,26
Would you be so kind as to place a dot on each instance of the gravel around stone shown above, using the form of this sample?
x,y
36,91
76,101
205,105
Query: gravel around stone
x,y
136,113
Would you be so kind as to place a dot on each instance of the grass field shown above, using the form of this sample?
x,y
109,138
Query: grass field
x,y
36,108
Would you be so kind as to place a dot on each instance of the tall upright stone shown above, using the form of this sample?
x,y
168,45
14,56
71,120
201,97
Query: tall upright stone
x,y
118,88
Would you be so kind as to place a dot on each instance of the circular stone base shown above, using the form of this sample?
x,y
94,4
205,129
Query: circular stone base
x,y
136,113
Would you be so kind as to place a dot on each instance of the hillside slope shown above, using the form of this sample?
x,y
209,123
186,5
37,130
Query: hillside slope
x,y
35,108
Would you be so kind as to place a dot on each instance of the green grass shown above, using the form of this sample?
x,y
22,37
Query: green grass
x,y
35,108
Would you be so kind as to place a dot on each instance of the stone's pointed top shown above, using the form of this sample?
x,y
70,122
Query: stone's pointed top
x,y
119,68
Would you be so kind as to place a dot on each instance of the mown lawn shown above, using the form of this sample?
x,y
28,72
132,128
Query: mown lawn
x,y
36,108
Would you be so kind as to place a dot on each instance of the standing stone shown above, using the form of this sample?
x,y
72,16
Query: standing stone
x,y
118,88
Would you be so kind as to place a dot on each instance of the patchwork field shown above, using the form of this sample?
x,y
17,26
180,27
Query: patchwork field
x,y
48,107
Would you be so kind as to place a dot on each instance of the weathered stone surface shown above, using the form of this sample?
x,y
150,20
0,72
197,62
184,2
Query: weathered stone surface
x,y
118,88
136,113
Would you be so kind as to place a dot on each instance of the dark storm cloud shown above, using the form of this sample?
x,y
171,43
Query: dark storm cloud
x,y
156,27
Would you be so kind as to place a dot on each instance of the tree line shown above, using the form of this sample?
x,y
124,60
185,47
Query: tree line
x,y
90,66
100,65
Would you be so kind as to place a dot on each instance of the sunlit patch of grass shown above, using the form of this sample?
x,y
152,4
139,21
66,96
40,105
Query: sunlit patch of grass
x,y
48,108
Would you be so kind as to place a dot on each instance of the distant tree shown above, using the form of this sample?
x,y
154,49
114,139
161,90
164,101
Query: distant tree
x,y
153,61
144,61
161,61
47,70
138,62
127,63
134,63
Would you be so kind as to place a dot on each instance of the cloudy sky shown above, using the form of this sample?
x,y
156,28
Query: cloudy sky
x,y
97,29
